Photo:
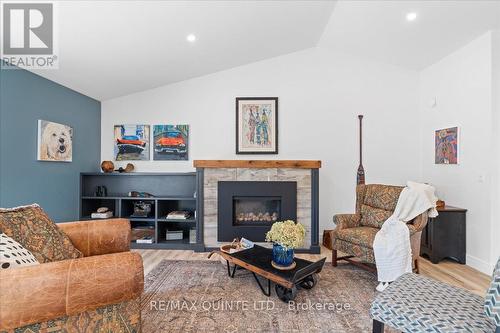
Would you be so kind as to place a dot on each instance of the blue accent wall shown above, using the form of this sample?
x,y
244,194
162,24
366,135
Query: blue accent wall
x,y
24,98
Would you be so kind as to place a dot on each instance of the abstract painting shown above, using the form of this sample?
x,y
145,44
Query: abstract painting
x,y
131,142
446,146
55,142
256,125
170,142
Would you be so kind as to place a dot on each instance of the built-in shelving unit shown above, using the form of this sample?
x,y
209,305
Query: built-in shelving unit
x,y
172,191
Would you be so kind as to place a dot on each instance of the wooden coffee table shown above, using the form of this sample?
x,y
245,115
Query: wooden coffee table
x,y
287,282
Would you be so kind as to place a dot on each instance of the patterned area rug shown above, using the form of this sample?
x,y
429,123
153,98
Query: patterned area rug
x,y
198,296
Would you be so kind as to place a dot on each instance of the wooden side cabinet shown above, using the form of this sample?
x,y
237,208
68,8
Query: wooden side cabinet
x,y
444,236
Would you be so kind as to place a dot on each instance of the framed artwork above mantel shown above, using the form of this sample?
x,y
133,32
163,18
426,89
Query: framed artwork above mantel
x,y
257,125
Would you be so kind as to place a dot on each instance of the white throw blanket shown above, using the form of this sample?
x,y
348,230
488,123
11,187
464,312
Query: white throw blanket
x,y
392,243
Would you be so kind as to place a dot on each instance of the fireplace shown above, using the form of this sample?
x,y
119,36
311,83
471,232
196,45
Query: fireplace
x,y
248,209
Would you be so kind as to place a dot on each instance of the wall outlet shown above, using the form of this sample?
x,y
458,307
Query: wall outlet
x,y
433,102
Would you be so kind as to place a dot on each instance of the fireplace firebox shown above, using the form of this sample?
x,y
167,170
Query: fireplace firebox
x,y
249,208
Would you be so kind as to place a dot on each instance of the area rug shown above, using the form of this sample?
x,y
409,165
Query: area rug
x,y
199,296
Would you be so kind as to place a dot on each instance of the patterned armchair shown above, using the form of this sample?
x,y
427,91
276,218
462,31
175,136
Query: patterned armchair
x,y
354,233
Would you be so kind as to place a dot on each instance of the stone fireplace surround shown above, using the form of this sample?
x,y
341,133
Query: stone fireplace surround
x,y
305,173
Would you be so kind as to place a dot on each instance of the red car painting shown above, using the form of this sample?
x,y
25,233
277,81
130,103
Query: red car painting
x,y
130,144
171,142
131,140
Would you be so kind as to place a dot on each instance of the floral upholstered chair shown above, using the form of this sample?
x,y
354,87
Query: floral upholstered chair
x,y
354,233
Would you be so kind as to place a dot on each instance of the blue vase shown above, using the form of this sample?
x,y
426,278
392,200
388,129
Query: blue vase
x,y
281,256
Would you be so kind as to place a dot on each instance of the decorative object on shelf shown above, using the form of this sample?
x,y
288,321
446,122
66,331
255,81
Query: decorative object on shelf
x,y
446,146
142,209
171,142
102,213
107,166
192,236
131,142
174,235
136,194
360,175
179,215
128,168
440,204
257,125
145,240
55,142
286,236
101,191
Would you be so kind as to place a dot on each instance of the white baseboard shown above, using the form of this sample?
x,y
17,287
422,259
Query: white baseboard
x,y
479,264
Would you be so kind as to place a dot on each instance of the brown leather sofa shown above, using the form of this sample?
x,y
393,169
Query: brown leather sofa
x,y
99,292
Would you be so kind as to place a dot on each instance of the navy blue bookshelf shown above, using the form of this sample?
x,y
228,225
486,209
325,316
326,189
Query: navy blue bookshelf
x,y
172,191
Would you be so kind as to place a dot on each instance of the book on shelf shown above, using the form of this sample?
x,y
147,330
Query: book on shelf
x,y
145,240
179,215
105,215
192,236
141,232
174,235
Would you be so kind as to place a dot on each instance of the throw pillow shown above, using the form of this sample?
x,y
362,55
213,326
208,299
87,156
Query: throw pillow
x,y
13,254
31,227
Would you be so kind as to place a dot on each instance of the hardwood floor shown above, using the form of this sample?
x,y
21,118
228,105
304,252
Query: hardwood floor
x,y
447,271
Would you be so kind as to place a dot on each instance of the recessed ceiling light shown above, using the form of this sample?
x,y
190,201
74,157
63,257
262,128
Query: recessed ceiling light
x,y
191,38
411,16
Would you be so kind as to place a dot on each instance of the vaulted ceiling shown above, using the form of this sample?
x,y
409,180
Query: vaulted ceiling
x,y
113,48
379,29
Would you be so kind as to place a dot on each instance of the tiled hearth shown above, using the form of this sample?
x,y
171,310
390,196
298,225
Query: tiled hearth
x,y
307,200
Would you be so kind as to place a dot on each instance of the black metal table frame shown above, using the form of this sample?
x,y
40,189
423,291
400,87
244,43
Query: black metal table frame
x,y
235,267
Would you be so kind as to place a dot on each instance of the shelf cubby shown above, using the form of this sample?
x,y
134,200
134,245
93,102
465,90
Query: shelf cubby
x,y
88,206
168,206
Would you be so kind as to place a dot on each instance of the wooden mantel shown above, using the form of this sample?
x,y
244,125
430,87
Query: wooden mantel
x,y
261,164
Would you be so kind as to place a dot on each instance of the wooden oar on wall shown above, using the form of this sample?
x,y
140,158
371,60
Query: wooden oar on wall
x,y
360,177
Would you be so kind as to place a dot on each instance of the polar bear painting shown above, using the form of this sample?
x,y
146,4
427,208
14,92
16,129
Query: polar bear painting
x,y
55,142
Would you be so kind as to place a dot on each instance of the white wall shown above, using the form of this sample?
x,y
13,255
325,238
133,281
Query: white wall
x,y
461,83
320,95
495,234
